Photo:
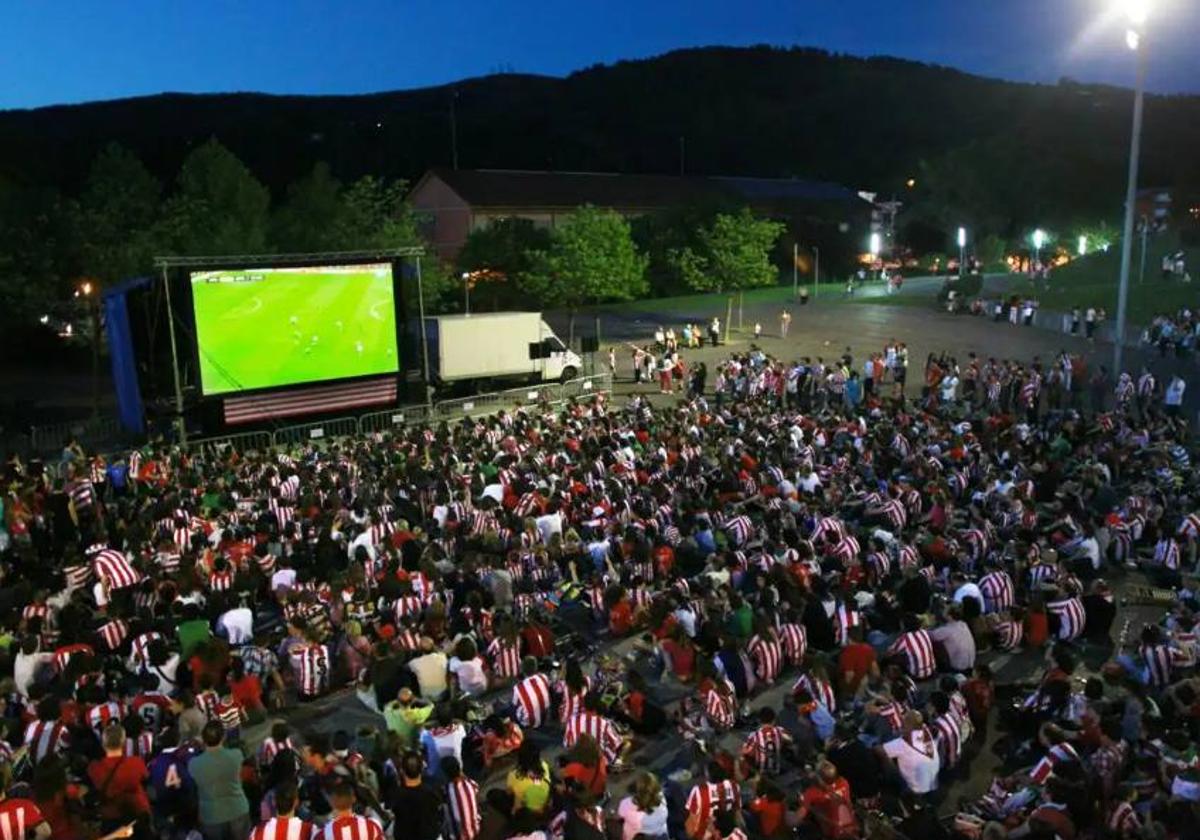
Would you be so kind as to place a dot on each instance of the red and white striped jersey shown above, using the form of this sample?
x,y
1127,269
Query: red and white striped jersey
x,y
739,529
270,748
708,799
893,511
140,647
113,566
531,697
63,655
1189,528
311,665
1071,617
720,708
506,658
1009,634
820,690
18,817
1158,664
767,654
795,642
283,828
917,649
44,738
845,617
998,591
142,746
764,748
462,809
948,731
1058,754
570,703
602,730
1166,553
98,717
32,611
113,633
221,581
352,827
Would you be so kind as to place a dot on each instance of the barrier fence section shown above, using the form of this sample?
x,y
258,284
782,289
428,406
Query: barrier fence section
x,y
49,438
241,442
88,431
382,421
315,431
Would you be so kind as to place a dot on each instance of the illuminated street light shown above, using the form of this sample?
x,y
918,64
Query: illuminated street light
x,y
962,244
1137,12
1082,245
876,244
86,288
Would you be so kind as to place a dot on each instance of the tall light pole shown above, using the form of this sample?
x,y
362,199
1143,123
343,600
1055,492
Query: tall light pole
x,y
875,247
466,277
1039,239
1137,11
962,246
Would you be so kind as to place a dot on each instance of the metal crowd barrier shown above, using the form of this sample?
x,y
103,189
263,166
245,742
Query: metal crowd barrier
x,y
91,430
241,442
382,421
549,393
316,431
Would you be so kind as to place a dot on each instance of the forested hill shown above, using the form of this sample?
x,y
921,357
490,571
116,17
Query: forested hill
x,y
1003,149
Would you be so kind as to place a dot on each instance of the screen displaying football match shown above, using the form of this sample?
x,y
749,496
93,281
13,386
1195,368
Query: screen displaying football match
x,y
270,327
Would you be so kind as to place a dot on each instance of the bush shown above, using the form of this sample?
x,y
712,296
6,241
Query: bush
x,y
968,287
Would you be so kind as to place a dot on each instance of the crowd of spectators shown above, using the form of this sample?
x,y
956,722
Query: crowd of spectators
x,y
802,577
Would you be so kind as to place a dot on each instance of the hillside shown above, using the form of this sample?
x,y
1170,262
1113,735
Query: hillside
x,y
1002,149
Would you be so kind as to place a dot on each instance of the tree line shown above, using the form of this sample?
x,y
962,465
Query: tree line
x,y
124,216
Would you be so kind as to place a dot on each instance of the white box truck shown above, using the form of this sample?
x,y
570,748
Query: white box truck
x,y
497,346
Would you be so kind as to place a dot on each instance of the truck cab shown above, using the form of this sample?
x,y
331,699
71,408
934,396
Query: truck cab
x,y
557,362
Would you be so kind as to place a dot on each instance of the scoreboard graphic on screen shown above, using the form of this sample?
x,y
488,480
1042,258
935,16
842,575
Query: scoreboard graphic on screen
x,y
272,327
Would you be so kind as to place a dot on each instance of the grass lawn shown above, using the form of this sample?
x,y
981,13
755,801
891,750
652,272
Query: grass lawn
x,y
1092,281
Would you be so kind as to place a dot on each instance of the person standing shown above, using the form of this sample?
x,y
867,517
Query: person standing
x,y
785,321
120,781
714,331
1173,396
1089,323
285,825
224,810
415,800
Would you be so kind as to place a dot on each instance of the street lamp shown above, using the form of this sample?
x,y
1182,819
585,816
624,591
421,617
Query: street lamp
x,y
1137,12
466,278
1039,239
1082,244
962,244
875,247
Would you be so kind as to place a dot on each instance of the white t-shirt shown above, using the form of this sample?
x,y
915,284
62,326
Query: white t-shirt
x,y
636,821
283,579
449,741
549,525
238,624
968,590
25,667
918,770
470,674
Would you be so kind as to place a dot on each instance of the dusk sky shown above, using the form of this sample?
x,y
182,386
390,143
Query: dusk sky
x,y
80,50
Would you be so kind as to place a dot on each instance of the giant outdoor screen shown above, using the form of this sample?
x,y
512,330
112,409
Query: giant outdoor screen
x,y
269,327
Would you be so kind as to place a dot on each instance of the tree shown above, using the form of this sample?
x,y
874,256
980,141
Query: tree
x,y
732,253
116,215
39,249
218,206
591,258
500,253
308,219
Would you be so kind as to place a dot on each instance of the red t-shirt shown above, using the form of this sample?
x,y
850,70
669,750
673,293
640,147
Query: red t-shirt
x,y
833,808
856,658
120,783
247,691
620,618
770,815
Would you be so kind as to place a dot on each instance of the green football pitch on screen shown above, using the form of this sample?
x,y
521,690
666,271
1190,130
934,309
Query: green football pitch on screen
x,y
270,327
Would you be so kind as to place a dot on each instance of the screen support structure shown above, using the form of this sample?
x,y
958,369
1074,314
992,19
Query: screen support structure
x,y
165,264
